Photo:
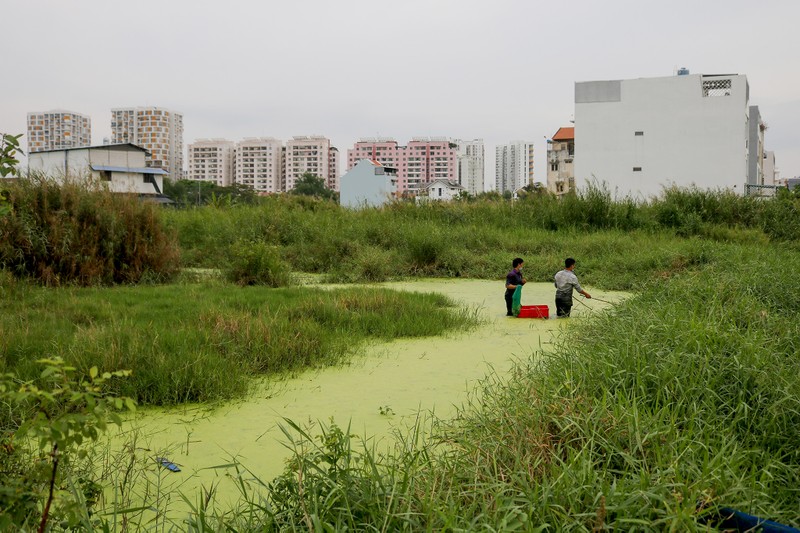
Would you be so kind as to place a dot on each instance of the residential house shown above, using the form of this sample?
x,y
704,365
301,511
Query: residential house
x,y
368,184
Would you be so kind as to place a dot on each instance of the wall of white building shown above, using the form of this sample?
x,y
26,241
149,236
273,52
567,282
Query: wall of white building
x,y
131,175
641,135
367,184
470,161
211,160
259,164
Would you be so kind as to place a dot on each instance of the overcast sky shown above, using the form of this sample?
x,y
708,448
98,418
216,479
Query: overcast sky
x,y
500,70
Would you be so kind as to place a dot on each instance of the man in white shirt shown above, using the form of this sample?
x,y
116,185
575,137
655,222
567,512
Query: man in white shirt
x,y
566,281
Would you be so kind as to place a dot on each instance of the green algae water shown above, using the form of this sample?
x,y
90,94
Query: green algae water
x,y
383,389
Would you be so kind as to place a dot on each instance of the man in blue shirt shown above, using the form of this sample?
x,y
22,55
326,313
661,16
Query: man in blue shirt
x,y
566,281
513,279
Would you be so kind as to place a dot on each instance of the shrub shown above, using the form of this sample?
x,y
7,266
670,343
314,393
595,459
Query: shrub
x,y
368,263
256,263
73,234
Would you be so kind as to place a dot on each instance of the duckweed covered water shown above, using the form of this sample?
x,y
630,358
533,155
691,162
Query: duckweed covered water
x,y
384,389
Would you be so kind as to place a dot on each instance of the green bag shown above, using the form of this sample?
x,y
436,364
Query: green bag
x,y
516,300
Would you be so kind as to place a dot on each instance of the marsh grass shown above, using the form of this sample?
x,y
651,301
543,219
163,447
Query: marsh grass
x,y
194,343
477,239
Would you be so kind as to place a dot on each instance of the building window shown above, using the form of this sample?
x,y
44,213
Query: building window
x,y
717,87
637,169
638,133
554,166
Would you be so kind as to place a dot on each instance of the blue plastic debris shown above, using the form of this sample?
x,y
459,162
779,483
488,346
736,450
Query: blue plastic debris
x,y
169,465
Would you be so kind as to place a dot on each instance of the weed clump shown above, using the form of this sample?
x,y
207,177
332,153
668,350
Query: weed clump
x,y
256,263
73,234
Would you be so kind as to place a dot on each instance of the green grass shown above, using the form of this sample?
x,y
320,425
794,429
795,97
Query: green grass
x,y
618,244
201,342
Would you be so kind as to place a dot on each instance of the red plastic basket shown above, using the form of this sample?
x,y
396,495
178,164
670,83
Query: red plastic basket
x,y
534,311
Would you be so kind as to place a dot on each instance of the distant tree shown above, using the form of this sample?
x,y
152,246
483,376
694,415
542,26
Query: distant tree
x,y
463,196
191,192
310,184
491,196
532,189
241,193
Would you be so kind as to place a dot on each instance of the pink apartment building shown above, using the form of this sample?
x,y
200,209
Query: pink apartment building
x,y
420,162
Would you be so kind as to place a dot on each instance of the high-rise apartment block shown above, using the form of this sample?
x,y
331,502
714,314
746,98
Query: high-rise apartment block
x,y
309,154
58,129
333,169
513,166
259,164
211,160
420,162
470,165
263,163
158,130
560,154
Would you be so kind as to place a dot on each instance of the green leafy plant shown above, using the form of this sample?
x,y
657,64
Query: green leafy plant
x,y
9,146
58,413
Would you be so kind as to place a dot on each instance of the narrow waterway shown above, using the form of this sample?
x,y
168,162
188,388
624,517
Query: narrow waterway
x,y
385,387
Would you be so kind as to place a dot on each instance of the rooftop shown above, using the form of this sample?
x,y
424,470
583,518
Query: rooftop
x,y
565,134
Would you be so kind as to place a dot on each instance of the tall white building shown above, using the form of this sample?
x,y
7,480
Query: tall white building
x,y
470,157
58,129
308,154
513,166
641,135
259,164
158,130
211,160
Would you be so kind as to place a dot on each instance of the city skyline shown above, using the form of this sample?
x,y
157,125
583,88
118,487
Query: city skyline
x,y
468,69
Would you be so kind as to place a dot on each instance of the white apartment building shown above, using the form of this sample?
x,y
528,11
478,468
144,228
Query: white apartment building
x,y
560,156
513,166
211,160
259,164
57,129
310,154
158,130
641,135
470,161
